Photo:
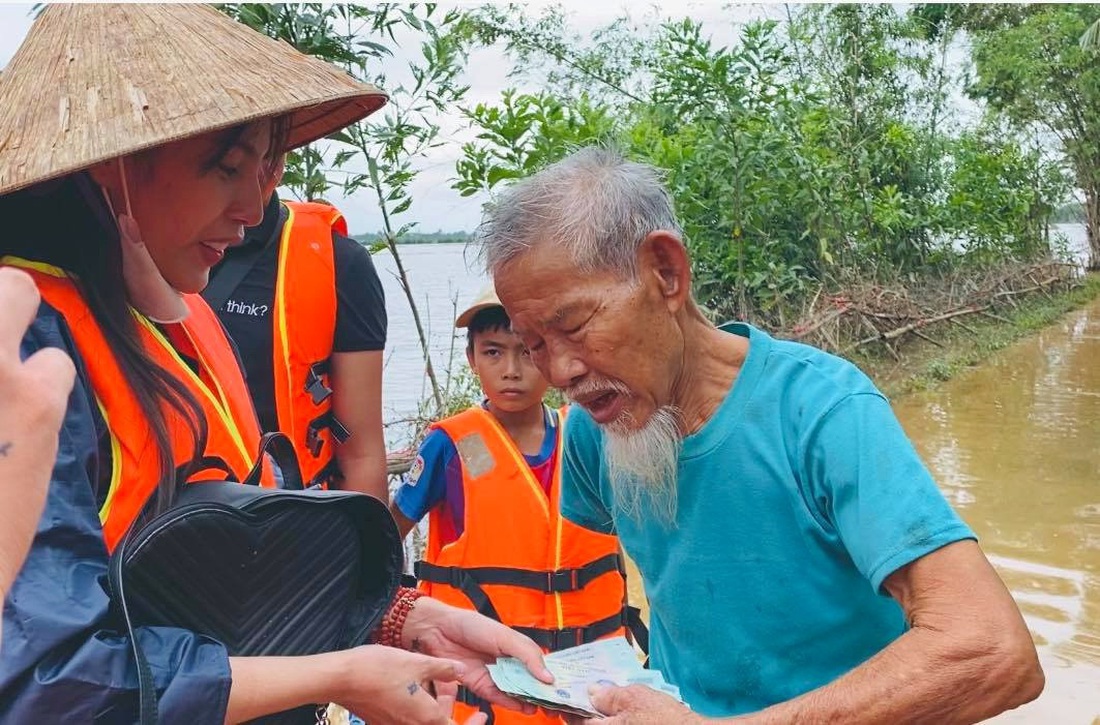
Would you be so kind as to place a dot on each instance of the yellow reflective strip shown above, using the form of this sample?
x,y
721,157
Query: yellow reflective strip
x,y
14,261
226,409
521,462
556,475
116,465
226,417
280,311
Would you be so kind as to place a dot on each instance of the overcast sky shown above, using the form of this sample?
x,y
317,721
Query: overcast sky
x,y
436,206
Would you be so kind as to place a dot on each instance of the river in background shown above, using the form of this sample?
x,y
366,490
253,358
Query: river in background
x,y
1014,444
443,278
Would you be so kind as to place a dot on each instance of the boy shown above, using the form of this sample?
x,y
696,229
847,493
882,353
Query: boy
x,y
488,478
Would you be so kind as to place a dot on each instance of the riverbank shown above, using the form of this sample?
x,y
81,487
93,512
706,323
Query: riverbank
x,y
923,365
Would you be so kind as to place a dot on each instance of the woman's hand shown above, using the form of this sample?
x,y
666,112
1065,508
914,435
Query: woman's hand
x,y
474,641
388,686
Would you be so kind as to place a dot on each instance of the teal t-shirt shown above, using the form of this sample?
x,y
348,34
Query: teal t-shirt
x,y
795,501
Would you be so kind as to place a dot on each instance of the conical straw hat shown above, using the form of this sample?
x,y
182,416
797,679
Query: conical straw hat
x,y
93,82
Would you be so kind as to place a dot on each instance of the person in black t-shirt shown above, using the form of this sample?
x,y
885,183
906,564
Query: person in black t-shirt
x,y
355,363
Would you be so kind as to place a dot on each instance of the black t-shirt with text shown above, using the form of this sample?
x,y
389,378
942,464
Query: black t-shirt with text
x,y
246,313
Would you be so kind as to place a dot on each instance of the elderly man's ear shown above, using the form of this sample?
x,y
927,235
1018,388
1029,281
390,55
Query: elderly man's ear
x,y
663,258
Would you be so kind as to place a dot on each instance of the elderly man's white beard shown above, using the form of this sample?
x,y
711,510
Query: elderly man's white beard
x,y
642,465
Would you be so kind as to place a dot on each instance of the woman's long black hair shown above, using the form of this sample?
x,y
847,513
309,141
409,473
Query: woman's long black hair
x,y
66,223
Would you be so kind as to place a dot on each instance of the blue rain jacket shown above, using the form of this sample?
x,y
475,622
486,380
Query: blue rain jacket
x,y
65,656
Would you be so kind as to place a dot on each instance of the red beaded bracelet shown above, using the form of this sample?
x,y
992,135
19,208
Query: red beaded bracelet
x,y
393,623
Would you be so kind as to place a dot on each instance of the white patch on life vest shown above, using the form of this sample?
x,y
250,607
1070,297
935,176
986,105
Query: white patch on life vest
x,y
415,470
476,458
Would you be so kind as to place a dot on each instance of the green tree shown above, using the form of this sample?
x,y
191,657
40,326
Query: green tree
x,y
381,153
815,152
324,31
1032,68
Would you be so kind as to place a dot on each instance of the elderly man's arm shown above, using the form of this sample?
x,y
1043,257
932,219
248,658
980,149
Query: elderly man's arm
x,y
966,657
967,654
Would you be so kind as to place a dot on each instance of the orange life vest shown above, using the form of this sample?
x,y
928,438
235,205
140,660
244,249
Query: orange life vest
x,y
517,559
219,387
304,326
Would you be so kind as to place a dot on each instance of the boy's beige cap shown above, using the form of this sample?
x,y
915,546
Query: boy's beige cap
x,y
93,82
487,298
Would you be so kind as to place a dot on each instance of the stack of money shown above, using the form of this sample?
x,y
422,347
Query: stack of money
x,y
603,663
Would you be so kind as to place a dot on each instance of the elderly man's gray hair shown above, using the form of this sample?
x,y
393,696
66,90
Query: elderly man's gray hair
x,y
593,203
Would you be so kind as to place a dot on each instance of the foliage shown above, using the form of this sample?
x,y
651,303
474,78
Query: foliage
x,y
805,153
328,32
1036,66
523,134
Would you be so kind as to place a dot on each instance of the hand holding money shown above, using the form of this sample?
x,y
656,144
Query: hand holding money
x,y
606,663
636,705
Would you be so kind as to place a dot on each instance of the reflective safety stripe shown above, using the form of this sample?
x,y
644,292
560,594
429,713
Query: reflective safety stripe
x,y
116,464
219,402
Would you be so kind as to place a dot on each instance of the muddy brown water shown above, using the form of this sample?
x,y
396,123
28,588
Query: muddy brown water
x,y
1015,447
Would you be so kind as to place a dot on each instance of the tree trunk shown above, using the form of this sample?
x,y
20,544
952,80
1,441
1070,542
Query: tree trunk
x,y
1092,226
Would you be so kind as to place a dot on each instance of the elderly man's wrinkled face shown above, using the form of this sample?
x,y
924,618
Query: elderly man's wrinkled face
x,y
615,346
611,344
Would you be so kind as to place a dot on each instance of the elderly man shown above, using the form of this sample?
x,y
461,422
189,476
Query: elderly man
x,y
799,561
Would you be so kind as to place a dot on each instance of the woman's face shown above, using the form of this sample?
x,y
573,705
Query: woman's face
x,y
193,198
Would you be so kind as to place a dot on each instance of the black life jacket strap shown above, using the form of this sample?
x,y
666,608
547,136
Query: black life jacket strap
x,y
315,385
469,581
547,582
638,630
329,475
460,579
558,639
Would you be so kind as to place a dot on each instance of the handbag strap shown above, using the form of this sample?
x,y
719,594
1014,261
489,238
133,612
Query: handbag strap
x,y
281,450
147,691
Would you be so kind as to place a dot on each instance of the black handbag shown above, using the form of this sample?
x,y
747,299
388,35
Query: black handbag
x,y
264,571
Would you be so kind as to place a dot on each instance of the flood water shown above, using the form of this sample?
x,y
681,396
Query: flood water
x,y
1015,446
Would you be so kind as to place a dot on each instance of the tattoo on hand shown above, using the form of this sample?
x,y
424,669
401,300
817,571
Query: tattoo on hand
x,y
4,448
415,646
412,688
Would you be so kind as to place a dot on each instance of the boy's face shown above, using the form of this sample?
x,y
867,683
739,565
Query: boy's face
x,y
508,377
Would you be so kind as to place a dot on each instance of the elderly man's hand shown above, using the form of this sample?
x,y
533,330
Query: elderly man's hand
x,y
637,705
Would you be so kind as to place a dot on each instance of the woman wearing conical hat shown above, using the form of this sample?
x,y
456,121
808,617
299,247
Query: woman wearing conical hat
x,y
134,142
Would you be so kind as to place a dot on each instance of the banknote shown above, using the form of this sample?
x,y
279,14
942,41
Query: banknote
x,y
605,662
